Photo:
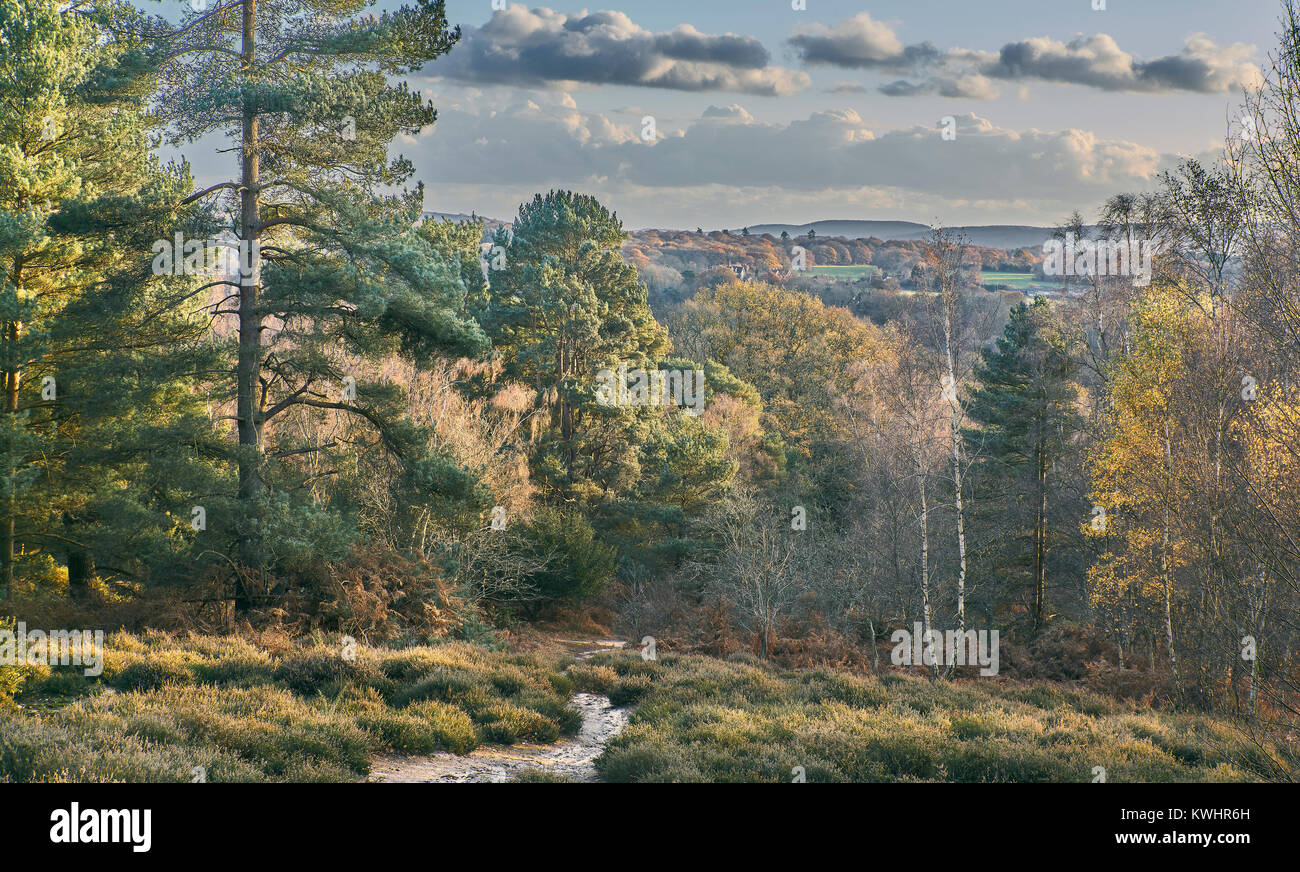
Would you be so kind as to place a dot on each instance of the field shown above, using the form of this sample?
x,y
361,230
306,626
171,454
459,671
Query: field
x,y
857,271
1016,280
168,707
239,712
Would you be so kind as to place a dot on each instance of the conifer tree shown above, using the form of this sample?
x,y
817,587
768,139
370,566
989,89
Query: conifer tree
x,y
103,434
333,274
1023,401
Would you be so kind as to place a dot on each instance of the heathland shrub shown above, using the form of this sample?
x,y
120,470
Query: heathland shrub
x,y
590,678
321,670
243,714
701,719
151,674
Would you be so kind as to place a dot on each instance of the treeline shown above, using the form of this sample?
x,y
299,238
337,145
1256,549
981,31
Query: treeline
x,y
672,258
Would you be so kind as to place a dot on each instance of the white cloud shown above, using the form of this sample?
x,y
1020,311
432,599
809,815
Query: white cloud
x,y
534,47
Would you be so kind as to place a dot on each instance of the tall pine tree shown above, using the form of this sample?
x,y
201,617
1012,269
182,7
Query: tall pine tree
x,y
334,275
104,436
1024,400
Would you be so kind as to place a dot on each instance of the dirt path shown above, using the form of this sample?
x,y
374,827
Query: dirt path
x,y
574,758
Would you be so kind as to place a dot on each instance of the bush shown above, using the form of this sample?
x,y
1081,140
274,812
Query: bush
x,y
589,678
452,728
539,776
12,677
629,765
320,670
580,567
505,723
64,682
421,728
629,690
151,673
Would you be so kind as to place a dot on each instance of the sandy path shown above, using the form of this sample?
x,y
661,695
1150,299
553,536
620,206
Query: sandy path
x,y
574,758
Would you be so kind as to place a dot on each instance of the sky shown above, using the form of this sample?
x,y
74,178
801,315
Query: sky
x,y
728,113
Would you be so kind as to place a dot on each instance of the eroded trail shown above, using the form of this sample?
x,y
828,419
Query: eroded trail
x,y
573,758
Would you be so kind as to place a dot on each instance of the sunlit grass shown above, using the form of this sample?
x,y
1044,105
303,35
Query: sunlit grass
x,y
700,719
179,708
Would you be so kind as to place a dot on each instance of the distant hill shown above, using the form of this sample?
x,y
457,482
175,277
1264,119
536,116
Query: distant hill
x,y
1007,236
490,225
1004,236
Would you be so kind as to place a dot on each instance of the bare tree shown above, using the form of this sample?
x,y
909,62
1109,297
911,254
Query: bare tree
x,y
755,570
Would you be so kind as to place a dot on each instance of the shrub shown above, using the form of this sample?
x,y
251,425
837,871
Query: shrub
x,y
11,677
320,670
151,673
644,763
447,684
451,727
580,566
539,776
589,678
629,690
506,724
967,727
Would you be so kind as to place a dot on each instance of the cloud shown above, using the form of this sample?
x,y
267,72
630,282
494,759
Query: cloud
x,y
532,147
536,47
1095,61
859,42
971,86
735,111
834,149
1098,62
685,43
847,88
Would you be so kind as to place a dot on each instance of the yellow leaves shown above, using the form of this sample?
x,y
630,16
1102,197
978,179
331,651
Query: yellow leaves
x,y
1144,473
1270,435
800,353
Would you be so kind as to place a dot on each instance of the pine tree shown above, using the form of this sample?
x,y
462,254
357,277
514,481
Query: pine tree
x,y
333,275
565,306
1023,401
103,432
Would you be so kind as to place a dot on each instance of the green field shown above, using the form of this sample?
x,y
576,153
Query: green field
x,y
858,271
1018,280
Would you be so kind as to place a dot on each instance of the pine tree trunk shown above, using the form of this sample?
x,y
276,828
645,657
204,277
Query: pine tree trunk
x,y
250,320
81,569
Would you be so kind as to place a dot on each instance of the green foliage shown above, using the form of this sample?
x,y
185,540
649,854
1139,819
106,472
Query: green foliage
x,y
105,438
1026,470
342,280
580,564
12,676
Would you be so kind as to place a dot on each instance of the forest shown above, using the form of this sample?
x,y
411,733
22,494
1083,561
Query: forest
x,y
251,424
